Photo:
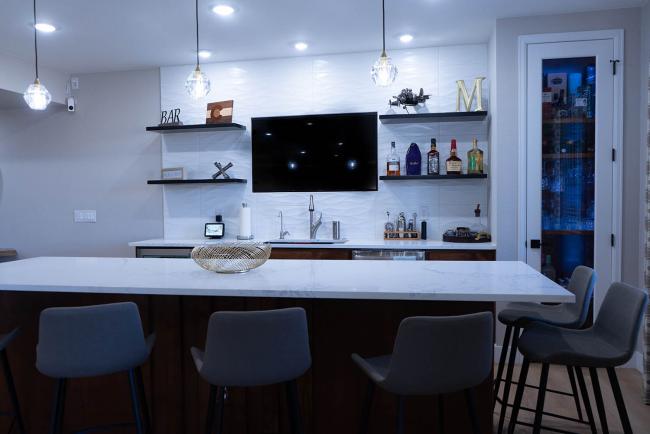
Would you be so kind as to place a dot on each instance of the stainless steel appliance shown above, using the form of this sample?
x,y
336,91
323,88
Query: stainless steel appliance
x,y
388,255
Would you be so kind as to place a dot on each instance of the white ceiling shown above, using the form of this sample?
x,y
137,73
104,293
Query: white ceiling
x,y
11,100
108,35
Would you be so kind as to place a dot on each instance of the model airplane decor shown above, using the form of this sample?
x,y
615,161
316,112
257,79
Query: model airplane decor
x,y
407,98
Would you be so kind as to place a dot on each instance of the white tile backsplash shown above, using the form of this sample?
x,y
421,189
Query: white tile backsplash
x,y
322,84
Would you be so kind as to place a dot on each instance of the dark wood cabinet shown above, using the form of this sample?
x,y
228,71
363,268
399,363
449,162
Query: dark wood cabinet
x,y
331,392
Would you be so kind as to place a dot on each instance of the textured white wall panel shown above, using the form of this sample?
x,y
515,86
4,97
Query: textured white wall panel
x,y
322,84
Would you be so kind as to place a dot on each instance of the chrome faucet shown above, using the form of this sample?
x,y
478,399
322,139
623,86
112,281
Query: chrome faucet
x,y
283,233
313,227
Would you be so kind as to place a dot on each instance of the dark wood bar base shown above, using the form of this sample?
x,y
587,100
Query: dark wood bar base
x,y
331,393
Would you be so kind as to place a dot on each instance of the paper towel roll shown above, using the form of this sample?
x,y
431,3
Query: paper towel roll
x,y
245,225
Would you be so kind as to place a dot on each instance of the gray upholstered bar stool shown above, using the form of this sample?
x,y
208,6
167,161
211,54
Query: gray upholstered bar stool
x,y
517,316
5,340
255,348
432,356
609,343
90,341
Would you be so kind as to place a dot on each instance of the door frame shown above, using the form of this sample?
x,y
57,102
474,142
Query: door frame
x,y
617,36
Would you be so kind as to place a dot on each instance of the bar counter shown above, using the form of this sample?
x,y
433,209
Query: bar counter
x,y
352,306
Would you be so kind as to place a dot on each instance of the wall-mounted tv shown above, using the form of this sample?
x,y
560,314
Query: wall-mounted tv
x,y
332,152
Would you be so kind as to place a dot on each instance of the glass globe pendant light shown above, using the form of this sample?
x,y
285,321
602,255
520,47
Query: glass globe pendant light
x,y
36,96
383,72
197,83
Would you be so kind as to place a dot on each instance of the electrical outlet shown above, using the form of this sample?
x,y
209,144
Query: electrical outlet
x,y
85,216
74,83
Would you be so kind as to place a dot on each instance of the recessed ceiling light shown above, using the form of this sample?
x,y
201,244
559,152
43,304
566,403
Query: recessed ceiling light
x,y
301,46
406,38
44,27
223,10
204,54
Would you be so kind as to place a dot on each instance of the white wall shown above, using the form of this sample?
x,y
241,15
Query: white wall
x,y
16,75
97,158
322,84
505,122
645,132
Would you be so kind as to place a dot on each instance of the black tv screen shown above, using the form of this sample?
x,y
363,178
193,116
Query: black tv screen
x,y
333,152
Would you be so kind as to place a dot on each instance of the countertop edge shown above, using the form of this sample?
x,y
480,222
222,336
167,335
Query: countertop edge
x,y
351,244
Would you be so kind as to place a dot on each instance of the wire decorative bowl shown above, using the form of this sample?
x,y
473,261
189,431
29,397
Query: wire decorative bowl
x,y
236,257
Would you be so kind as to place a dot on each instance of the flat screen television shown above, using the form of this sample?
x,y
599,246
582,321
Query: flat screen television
x,y
332,152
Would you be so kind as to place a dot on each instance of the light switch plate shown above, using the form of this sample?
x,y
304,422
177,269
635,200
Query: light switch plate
x,y
85,216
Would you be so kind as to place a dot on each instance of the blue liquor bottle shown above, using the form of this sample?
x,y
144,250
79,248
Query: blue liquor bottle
x,y
413,160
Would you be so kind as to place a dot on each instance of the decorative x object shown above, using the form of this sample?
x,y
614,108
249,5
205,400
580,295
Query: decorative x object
x,y
222,170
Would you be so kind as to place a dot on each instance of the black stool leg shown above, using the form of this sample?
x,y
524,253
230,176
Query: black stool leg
x,y
143,400
12,392
209,420
399,420
537,426
599,400
221,400
508,381
521,385
470,399
367,405
441,414
585,399
294,407
574,390
135,403
59,404
502,362
620,404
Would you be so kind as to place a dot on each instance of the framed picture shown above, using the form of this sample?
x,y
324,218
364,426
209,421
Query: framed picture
x,y
172,173
219,112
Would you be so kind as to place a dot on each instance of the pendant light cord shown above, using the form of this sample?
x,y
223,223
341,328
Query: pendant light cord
x,y
35,44
383,25
196,16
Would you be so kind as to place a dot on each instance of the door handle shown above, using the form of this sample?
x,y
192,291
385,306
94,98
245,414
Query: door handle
x,y
535,244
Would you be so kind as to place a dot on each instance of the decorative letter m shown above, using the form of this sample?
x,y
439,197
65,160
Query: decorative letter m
x,y
477,91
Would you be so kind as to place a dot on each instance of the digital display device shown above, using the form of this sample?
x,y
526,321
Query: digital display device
x,y
310,153
214,230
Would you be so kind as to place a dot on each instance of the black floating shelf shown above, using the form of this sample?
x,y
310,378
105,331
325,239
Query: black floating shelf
x,y
198,181
413,177
167,129
406,118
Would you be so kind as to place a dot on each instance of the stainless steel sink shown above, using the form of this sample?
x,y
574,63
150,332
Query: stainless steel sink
x,y
307,241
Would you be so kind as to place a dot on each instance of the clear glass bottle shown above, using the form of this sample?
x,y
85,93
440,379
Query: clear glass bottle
x,y
433,160
393,162
475,159
454,164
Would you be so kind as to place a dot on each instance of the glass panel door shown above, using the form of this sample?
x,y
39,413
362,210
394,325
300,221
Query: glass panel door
x,y
570,107
568,165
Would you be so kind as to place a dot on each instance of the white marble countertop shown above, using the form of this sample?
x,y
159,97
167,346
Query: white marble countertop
x,y
382,280
350,244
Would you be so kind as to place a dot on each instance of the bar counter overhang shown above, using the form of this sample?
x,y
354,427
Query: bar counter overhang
x,y
352,306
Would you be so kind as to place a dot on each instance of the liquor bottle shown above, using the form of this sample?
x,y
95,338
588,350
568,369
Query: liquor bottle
x,y
392,162
475,159
454,164
414,160
433,160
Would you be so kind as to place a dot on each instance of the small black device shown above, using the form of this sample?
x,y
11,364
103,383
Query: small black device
x,y
423,230
215,230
